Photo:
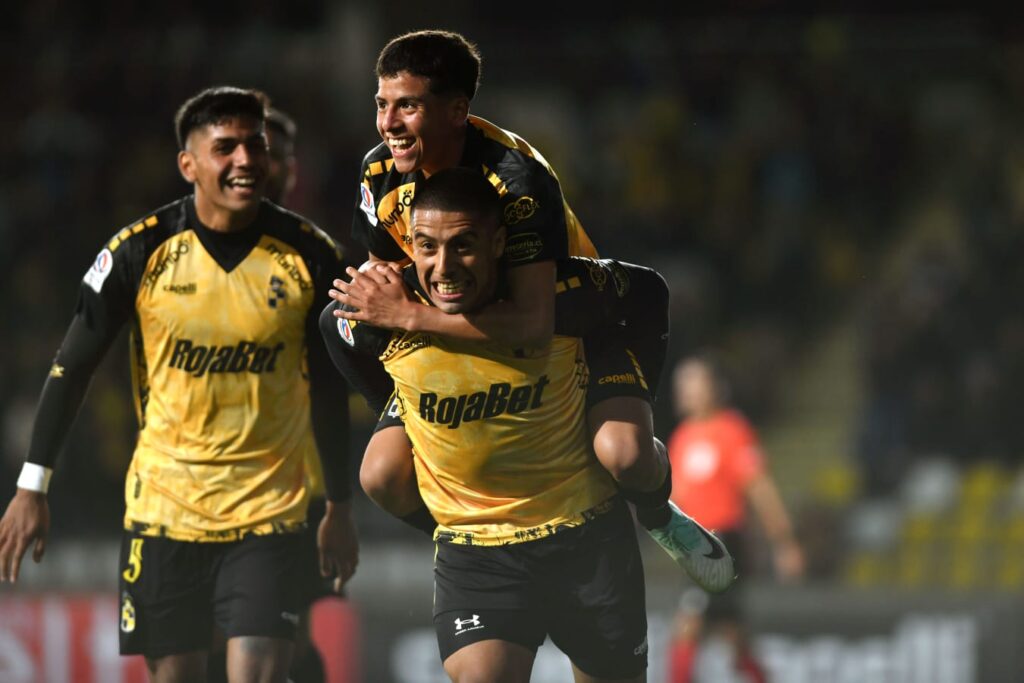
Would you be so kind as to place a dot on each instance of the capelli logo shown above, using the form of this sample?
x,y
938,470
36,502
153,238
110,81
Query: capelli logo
x,y
189,288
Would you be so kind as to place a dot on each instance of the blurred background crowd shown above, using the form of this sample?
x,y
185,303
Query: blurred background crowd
x,y
835,199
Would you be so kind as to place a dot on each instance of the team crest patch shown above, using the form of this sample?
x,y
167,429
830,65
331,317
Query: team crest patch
x,y
597,275
276,292
366,203
127,614
345,327
99,270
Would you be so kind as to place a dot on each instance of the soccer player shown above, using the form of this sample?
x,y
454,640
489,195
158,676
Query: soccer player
x,y
282,166
532,538
426,80
232,389
306,664
717,467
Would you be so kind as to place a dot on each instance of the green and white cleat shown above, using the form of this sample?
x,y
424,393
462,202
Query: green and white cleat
x,y
697,550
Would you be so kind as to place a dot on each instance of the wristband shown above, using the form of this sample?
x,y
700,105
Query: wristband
x,y
34,477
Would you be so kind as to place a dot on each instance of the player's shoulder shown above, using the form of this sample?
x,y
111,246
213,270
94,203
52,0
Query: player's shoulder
x,y
506,154
297,230
510,163
129,247
735,422
377,161
145,232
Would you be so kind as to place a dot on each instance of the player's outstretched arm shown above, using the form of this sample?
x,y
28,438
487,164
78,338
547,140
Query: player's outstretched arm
x,y
25,523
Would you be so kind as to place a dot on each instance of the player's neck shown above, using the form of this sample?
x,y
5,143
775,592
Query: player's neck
x,y
452,156
219,219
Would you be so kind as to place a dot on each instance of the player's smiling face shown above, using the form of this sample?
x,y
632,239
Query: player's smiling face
x,y
227,163
456,258
424,131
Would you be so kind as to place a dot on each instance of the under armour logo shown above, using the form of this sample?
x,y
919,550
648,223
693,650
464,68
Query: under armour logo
x,y
461,624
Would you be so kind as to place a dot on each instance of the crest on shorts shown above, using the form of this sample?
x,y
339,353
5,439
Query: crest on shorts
x,y
127,614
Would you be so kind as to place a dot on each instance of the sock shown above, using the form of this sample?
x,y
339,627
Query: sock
x,y
421,519
652,510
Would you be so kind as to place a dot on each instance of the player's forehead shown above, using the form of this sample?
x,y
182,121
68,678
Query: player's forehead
x,y
440,225
240,128
402,85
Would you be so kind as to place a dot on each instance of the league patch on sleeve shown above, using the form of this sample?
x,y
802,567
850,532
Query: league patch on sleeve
x,y
99,271
367,204
345,328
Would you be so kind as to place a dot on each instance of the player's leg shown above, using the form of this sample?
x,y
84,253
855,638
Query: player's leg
x,y
491,661
165,610
258,659
595,604
182,668
258,594
484,616
619,398
388,476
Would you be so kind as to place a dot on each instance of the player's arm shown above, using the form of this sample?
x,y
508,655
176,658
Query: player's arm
x,y
353,349
767,503
525,317
26,522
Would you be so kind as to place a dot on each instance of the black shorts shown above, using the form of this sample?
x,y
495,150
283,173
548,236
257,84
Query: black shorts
x,y
583,587
172,592
615,369
626,350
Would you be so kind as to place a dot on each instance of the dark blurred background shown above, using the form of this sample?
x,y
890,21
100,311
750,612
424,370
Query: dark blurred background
x,y
836,200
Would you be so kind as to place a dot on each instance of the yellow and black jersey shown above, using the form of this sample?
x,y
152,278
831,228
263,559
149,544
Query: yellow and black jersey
x,y
540,225
225,359
501,448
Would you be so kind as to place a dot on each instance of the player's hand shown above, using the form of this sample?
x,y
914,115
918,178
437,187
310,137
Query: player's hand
x,y
789,561
378,296
26,522
337,544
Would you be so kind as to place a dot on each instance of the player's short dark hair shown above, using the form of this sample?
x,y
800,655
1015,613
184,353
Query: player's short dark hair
x,y
446,59
216,105
459,189
279,122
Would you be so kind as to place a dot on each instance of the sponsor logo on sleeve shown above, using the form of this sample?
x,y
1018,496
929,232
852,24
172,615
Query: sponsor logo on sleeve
x,y
523,247
99,270
345,327
519,210
366,203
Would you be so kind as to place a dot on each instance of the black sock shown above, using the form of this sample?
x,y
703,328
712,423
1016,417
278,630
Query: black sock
x,y
421,519
652,510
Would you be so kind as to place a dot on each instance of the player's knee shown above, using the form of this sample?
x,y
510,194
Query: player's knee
x,y
619,450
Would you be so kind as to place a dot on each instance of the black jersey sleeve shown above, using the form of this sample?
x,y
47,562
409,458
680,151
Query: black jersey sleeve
x,y
366,229
534,213
328,392
354,349
104,304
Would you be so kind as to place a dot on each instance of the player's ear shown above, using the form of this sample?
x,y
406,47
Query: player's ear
x,y
459,109
187,165
499,241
